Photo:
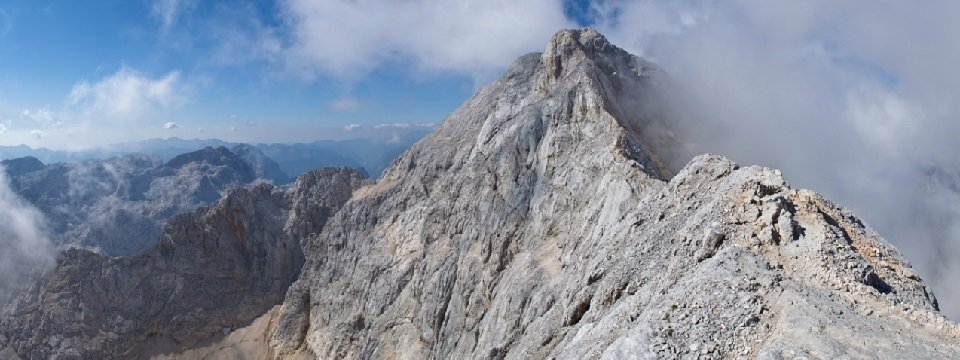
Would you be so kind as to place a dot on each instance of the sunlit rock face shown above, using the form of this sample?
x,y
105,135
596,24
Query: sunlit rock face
x,y
540,221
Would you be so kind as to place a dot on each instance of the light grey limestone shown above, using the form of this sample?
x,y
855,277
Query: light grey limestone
x,y
538,221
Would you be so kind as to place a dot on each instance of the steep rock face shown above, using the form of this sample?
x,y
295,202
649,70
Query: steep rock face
x,y
537,221
214,269
118,206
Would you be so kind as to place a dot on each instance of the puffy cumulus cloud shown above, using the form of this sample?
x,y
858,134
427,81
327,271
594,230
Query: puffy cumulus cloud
x,y
855,99
347,38
26,247
37,134
127,94
170,125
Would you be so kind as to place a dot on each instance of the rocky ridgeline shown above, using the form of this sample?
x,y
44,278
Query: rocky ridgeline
x,y
540,221
118,206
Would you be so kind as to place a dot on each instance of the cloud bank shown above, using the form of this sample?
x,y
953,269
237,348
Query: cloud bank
x,y
858,100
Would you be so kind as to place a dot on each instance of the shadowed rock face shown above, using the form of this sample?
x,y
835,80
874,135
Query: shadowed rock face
x,y
118,206
539,221
217,268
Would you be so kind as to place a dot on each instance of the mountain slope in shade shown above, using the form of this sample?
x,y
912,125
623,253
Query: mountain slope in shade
x,y
538,221
216,268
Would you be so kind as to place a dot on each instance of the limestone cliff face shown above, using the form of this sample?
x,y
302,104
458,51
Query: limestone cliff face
x,y
539,221
214,269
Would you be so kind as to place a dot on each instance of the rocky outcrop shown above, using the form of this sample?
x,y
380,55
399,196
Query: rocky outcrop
x,y
213,270
539,221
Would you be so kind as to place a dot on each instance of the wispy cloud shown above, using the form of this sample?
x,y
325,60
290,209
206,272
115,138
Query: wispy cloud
x,y
42,116
27,250
127,94
167,11
5,23
345,103
170,125
403,126
351,127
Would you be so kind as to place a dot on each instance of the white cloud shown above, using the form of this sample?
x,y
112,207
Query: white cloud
x,y
167,11
37,134
233,128
27,250
351,127
127,94
42,116
3,129
170,125
348,39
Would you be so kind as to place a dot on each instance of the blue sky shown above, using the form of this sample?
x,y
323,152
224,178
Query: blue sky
x,y
78,74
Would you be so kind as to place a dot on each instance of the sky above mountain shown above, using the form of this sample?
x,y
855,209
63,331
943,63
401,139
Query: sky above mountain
x,y
76,74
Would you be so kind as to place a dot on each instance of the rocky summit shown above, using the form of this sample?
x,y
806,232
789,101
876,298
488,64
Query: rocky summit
x,y
539,220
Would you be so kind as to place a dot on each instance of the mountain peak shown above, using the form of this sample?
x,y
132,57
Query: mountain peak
x,y
571,47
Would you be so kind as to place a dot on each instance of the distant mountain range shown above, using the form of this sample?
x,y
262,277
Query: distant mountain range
x,y
369,155
119,205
